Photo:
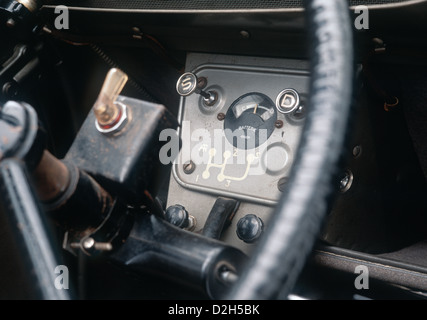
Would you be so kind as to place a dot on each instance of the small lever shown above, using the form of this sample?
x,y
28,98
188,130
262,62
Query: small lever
x,y
110,115
188,83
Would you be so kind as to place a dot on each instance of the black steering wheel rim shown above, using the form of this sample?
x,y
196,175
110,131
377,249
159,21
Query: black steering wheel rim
x,y
294,226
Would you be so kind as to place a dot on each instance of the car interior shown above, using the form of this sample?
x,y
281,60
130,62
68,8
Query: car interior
x,y
204,150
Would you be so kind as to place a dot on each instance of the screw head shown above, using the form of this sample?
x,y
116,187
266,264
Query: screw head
x,y
202,82
88,243
357,150
220,116
278,124
346,181
10,89
189,167
245,34
10,23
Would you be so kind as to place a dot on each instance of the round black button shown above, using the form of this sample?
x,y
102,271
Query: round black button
x,y
249,228
178,216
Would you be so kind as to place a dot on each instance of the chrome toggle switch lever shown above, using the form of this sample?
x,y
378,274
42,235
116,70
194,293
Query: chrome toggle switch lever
x,y
188,84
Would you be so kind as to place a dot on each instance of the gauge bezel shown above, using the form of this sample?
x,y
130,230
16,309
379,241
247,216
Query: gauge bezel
x,y
230,117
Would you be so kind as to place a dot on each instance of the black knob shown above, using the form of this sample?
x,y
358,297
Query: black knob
x,y
249,228
178,216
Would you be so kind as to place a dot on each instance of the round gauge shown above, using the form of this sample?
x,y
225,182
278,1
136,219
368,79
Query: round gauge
x,y
250,120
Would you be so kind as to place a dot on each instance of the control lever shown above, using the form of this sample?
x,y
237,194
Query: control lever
x,y
111,115
158,248
72,196
188,84
220,216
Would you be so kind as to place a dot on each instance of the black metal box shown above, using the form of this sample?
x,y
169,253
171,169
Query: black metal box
x,y
127,162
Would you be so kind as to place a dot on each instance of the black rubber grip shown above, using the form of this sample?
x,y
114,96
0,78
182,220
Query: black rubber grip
x,y
221,213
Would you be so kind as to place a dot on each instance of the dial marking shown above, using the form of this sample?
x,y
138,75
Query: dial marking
x,y
250,158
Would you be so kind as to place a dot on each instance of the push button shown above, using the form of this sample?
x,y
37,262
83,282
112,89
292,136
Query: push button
x,y
249,228
178,216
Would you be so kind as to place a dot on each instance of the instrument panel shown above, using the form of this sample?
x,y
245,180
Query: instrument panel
x,y
243,144
241,120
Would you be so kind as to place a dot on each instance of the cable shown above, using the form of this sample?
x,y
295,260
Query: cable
x,y
295,224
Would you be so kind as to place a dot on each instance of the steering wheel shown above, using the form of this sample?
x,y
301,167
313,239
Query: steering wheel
x,y
293,228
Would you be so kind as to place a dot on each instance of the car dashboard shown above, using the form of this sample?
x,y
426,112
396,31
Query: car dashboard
x,y
214,109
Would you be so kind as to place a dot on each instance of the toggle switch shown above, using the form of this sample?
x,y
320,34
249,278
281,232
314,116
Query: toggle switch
x,y
188,84
111,115
287,101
